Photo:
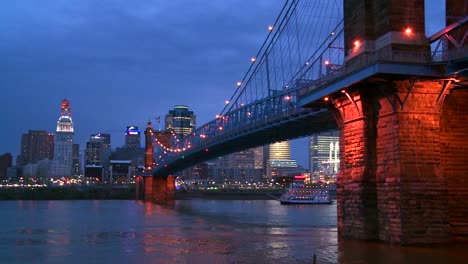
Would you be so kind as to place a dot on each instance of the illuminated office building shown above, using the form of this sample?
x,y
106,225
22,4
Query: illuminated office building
x,y
324,153
76,164
36,145
237,167
63,145
97,157
120,171
132,137
280,163
98,150
280,151
181,120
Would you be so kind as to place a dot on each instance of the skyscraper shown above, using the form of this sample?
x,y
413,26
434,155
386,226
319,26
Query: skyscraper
x,y
97,157
280,163
36,145
76,160
181,120
258,158
98,150
63,147
324,153
5,163
238,167
132,137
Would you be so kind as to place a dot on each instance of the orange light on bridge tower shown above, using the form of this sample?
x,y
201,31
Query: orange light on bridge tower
x,y
408,31
357,44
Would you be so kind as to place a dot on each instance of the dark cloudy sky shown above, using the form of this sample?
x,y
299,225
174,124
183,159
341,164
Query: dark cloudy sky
x,y
123,62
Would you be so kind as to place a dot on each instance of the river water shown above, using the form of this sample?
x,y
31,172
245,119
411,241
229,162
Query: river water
x,y
189,231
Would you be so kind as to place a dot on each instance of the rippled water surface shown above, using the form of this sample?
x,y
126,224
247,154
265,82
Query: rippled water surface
x,y
189,231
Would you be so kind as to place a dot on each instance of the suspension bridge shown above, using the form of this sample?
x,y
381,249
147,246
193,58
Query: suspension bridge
x,y
397,96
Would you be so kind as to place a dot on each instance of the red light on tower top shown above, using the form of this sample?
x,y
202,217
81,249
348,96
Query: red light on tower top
x,y
66,107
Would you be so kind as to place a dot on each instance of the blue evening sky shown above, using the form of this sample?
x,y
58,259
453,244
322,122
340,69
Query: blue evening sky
x,y
123,62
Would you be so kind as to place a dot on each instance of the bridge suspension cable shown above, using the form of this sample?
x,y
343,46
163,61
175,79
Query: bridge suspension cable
x,y
301,34
304,44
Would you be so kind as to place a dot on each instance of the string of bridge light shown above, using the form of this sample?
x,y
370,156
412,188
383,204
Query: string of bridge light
x,y
167,149
254,59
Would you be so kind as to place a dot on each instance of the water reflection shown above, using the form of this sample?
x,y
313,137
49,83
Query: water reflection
x,y
189,231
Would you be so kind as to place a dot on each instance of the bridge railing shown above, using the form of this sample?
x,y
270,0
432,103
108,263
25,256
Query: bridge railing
x,y
450,55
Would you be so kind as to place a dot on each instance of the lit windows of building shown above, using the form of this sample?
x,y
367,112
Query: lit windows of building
x,y
280,151
98,150
120,172
239,167
280,163
63,145
181,120
36,145
132,137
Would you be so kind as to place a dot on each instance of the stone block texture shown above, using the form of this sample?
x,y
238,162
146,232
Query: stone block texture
x,y
403,164
454,160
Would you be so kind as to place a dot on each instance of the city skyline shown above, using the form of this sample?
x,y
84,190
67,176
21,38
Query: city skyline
x,y
122,63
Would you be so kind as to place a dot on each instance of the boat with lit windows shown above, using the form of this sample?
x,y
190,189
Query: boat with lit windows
x,y
299,194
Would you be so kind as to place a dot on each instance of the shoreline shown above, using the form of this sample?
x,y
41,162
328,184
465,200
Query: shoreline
x,y
108,193
234,195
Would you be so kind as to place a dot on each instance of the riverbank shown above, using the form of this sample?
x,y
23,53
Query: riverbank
x,y
228,195
68,193
124,193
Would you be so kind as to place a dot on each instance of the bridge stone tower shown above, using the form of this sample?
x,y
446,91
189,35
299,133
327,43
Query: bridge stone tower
x,y
144,182
151,187
403,137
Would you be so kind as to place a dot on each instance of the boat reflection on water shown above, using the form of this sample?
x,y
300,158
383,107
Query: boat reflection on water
x,y
298,193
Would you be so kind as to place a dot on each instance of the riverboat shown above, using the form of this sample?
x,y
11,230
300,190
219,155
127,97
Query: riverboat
x,y
298,194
